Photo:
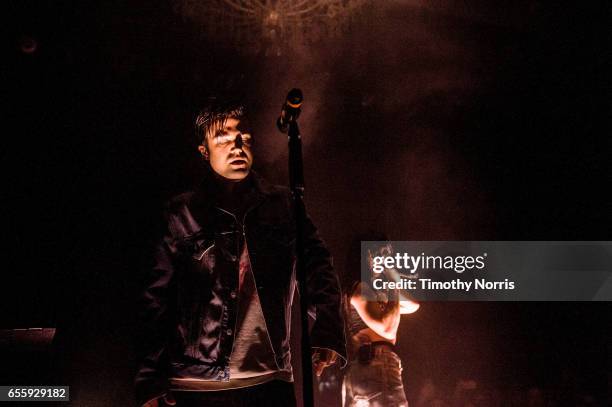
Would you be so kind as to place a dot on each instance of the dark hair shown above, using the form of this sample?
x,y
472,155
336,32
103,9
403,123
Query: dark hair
x,y
215,113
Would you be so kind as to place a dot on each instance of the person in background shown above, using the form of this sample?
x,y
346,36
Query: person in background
x,y
373,377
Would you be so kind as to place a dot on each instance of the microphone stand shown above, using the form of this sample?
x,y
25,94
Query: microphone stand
x,y
296,184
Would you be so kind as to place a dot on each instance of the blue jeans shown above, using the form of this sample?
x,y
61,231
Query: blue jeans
x,y
375,384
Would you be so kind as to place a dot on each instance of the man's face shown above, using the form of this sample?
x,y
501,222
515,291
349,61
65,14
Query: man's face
x,y
229,149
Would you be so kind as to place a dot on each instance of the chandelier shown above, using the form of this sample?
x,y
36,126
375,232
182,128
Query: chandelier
x,y
270,26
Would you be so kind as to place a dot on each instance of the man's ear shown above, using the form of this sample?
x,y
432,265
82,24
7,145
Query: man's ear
x,y
204,151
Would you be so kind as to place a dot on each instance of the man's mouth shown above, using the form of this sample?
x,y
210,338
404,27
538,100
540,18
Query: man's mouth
x,y
238,161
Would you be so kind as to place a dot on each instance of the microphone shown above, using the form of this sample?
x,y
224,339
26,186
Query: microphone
x,y
290,110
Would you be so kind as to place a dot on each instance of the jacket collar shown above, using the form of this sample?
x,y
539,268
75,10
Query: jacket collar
x,y
205,196
260,184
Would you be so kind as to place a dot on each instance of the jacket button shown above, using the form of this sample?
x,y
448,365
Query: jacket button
x,y
233,294
233,258
229,332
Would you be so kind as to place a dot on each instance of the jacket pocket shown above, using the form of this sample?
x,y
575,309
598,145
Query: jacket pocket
x,y
204,249
199,248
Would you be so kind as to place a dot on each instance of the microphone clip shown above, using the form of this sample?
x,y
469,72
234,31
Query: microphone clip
x,y
291,109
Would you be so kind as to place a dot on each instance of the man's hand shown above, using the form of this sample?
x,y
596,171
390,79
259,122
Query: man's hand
x,y
166,400
322,358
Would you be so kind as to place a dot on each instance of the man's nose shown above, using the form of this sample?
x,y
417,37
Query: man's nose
x,y
238,141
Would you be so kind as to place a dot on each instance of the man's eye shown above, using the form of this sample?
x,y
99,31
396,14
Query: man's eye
x,y
228,138
222,138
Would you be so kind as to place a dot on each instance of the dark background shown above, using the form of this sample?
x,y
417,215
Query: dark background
x,y
430,121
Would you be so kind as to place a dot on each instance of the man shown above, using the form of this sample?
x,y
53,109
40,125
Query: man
x,y
218,304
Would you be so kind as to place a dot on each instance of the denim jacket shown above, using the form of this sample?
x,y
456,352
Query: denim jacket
x,y
190,301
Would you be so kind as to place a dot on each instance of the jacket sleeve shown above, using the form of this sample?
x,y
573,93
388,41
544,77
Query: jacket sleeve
x,y
324,294
151,379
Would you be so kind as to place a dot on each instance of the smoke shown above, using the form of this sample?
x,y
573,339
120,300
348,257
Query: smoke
x,y
382,107
302,69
